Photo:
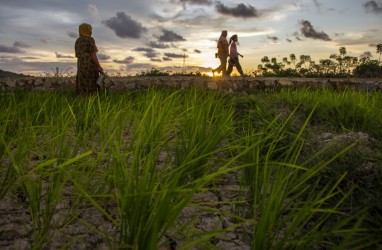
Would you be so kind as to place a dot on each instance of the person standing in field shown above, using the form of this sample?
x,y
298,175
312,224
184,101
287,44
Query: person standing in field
x,y
222,54
234,56
88,67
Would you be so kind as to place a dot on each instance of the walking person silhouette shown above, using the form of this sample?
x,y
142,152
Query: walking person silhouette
x,y
234,56
222,54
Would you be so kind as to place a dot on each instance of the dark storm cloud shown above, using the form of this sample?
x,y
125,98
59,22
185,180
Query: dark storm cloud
x,y
308,31
127,60
241,10
373,6
157,45
166,59
20,44
174,55
8,49
72,34
103,57
148,52
124,26
59,55
170,36
274,39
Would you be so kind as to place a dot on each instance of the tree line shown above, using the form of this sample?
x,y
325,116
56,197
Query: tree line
x,y
337,65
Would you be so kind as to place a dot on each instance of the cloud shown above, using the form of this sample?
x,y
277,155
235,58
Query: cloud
x,y
297,36
363,38
94,11
72,34
156,60
308,31
170,36
140,66
58,55
157,45
124,26
166,59
288,40
197,51
149,52
8,49
274,39
317,3
300,4
196,2
373,6
127,60
174,55
46,40
20,44
103,57
16,64
241,10
374,45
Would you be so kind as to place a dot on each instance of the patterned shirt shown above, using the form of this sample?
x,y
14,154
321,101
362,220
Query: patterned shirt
x,y
233,50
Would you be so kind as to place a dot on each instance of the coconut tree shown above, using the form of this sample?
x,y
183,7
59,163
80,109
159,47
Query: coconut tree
x,y
293,59
379,51
285,61
342,51
340,58
267,62
265,59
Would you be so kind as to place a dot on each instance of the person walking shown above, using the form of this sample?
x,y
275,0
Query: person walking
x,y
88,67
234,56
222,54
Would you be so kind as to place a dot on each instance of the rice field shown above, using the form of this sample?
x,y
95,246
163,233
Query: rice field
x,y
191,169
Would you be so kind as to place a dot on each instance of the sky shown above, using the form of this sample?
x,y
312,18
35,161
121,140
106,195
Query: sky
x,y
38,36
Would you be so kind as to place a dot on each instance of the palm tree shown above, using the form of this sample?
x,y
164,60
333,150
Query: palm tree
x,y
379,51
265,59
293,59
285,60
340,58
342,51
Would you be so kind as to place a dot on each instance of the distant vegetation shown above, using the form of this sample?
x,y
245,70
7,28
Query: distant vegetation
x,y
157,72
337,65
9,74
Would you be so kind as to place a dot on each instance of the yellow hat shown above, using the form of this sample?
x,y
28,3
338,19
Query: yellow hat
x,y
85,29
